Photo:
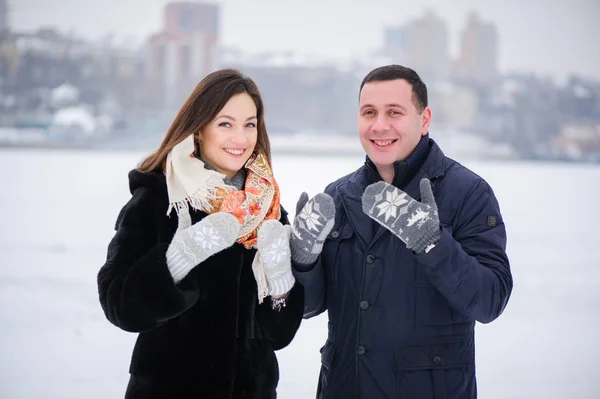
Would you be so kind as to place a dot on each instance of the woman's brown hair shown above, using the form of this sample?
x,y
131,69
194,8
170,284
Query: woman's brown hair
x,y
201,107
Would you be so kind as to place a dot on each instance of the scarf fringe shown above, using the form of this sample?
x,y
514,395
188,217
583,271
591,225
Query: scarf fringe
x,y
261,278
202,198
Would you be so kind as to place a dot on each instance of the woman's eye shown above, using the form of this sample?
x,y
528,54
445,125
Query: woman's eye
x,y
225,124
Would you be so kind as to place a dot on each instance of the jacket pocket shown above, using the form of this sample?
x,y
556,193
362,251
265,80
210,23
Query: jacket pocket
x,y
327,354
433,370
338,237
326,376
339,233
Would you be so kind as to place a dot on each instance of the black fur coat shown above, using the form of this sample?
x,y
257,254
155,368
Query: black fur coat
x,y
206,337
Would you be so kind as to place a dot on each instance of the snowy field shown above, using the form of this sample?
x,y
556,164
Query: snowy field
x,y
57,211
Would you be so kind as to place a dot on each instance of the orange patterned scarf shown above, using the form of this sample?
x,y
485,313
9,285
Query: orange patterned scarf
x,y
258,201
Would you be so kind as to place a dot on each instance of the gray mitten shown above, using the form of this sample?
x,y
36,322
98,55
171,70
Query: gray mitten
x,y
273,246
192,245
313,222
416,223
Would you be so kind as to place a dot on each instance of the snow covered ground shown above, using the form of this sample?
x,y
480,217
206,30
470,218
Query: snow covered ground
x,y
58,208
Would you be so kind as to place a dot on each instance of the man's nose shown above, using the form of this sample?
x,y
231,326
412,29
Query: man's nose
x,y
381,124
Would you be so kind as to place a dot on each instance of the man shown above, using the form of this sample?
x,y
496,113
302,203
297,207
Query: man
x,y
405,254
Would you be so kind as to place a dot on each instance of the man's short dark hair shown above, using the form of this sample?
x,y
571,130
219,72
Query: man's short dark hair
x,y
394,72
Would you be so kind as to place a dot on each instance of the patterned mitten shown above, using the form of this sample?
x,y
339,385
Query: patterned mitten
x,y
416,223
313,222
192,245
273,245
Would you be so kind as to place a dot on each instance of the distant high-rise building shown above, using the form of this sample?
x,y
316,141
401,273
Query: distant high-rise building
x,y
422,45
428,47
395,44
478,59
185,50
188,17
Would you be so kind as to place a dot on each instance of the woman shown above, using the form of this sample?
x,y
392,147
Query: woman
x,y
200,262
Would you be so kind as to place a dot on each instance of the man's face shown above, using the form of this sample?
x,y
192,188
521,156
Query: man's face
x,y
389,124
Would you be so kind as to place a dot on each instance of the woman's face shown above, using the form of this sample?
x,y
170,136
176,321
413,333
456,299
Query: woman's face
x,y
229,140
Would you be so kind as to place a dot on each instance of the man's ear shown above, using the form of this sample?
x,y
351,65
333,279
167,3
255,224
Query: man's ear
x,y
425,120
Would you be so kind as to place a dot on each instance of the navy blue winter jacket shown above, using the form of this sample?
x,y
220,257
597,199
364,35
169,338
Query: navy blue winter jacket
x,y
401,325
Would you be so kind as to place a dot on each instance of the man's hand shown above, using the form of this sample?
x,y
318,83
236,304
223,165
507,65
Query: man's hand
x,y
313,222
416,223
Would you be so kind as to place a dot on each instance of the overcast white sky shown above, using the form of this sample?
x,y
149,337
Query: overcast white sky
x,y
550,37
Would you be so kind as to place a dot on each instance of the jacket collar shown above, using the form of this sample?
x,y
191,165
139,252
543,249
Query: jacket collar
x,y
403,170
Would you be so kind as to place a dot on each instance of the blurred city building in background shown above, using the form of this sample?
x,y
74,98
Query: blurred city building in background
x,y
58,90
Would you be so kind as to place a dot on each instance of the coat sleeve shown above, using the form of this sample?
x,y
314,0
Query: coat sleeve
x,y
136,290
281,326
312,278
470,267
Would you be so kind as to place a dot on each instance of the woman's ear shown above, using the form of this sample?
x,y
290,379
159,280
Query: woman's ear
x,y
197,139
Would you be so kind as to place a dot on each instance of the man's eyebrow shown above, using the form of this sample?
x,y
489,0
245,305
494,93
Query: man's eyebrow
x,y
392,105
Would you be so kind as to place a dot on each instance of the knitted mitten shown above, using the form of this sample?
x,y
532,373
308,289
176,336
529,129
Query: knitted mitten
x,y
416,223
192,245
313,222
273,245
